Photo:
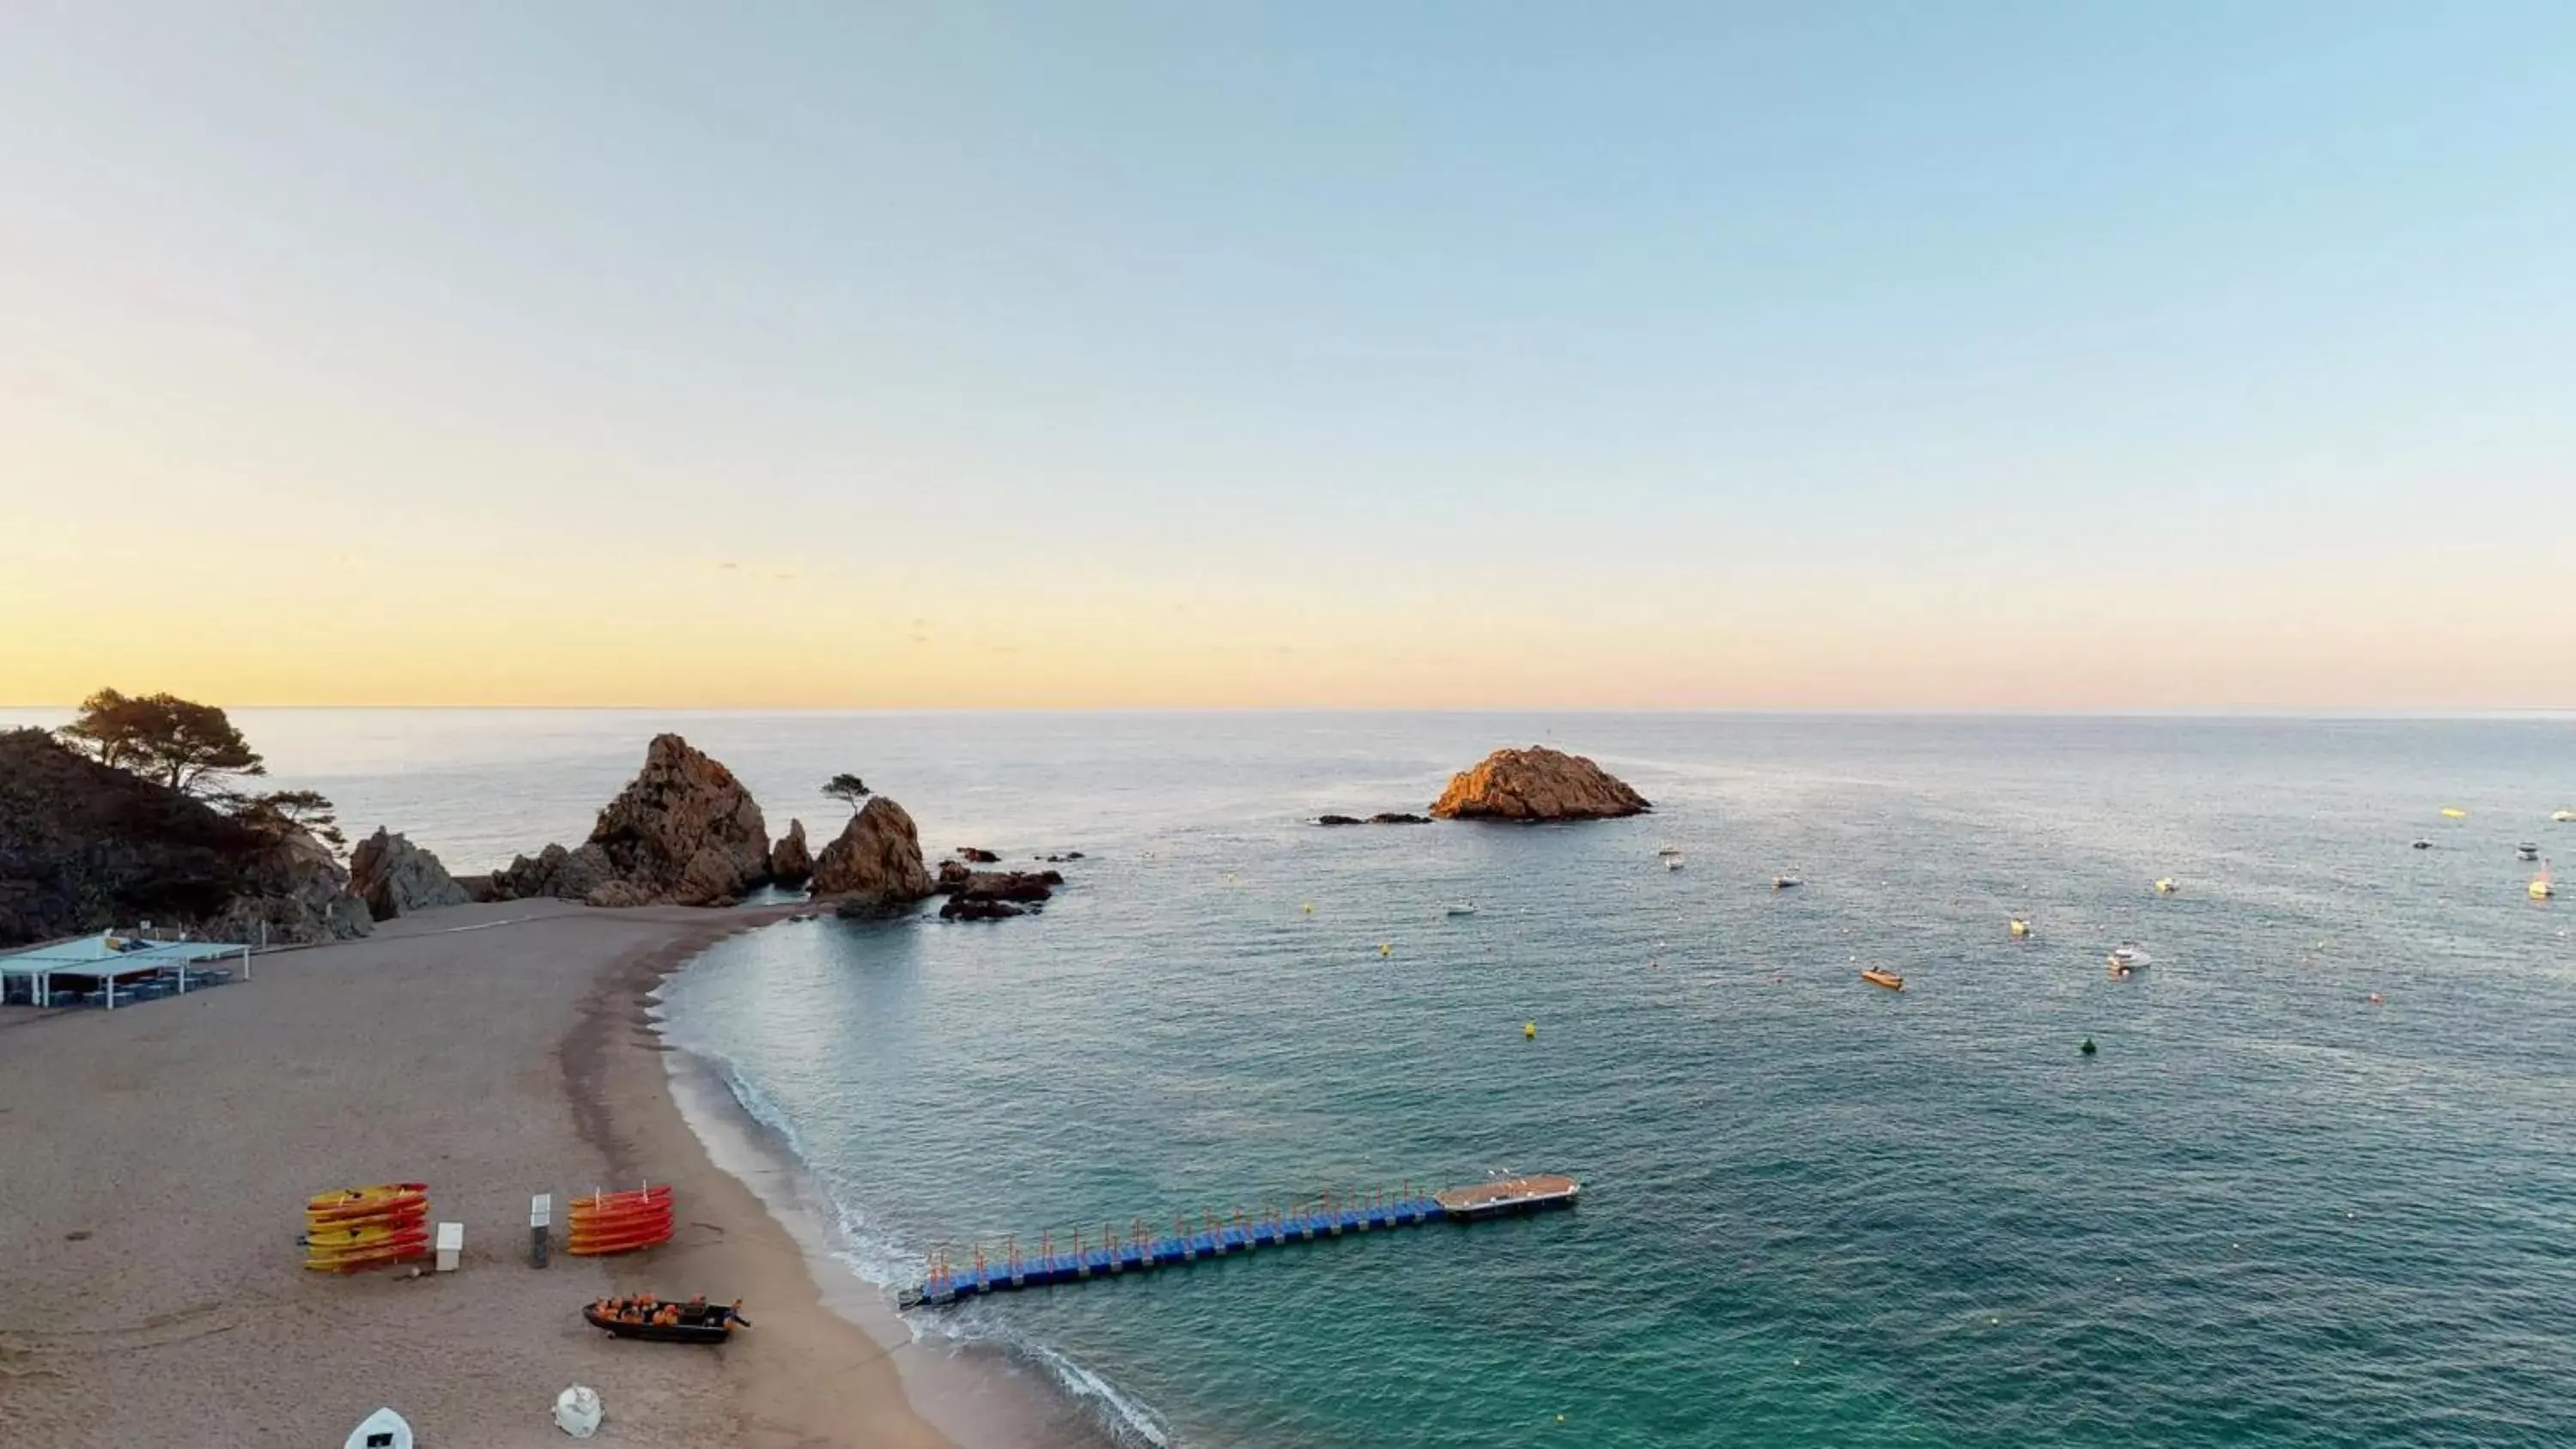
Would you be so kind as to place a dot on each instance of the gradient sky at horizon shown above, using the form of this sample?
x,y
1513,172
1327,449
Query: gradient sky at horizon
x,y
1839,356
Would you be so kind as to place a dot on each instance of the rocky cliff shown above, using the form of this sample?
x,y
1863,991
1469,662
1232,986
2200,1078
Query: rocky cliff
x,y
1536,784
395,877
790,862
875,862
84,847
684,830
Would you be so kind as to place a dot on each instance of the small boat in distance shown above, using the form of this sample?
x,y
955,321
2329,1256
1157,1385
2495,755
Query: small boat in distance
x,y
2126,958
1673,861
2020,928
2527,851
1785,882
1888,979
2540,887
1462,908
383,1429
2563,817
2166,885
1668,850
2423,844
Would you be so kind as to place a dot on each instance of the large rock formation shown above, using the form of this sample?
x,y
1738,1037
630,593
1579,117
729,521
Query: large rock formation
x,y
875,863
395,877
84,847
297,895
1536,784
684,830
790,863
554,871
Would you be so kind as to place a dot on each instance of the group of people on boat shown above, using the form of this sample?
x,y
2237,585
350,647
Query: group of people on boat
x,y
646,1309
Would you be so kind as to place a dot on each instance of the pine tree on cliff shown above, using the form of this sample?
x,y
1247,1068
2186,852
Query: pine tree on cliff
x,y
849,789
190,747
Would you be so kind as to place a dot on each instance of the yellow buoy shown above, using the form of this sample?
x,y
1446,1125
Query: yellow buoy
x,y
2020,927
1386,948
1529,1031
1308,908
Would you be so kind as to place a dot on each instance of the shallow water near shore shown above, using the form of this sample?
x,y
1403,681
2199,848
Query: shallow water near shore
x,y
2268,1211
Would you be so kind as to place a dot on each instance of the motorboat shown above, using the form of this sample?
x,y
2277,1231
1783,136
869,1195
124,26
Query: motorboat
x,y
2126,958
2563,817
2167,885
665,1320
1889,979
1673,862
1668,850
2526,851
2020,928
1785,882
2423,844
383,1429
1462,908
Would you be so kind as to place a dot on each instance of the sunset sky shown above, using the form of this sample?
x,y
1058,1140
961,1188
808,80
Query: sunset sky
x,y
950,354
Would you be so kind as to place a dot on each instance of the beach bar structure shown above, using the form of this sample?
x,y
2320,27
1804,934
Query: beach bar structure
x,y
109,961
1141,1250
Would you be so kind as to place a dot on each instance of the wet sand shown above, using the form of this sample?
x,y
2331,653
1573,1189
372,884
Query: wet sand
x,y
154,1162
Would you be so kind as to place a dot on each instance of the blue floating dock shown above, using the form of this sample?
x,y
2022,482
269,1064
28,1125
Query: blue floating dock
x,y
1114,1256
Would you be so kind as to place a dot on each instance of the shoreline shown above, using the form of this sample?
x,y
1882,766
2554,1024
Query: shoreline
x,y
964,1393
159,1158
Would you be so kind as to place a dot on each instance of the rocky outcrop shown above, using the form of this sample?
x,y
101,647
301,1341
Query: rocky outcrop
x,y
874,865
570,875
84,847
790,863
992,895
976,856
395,877
1536,784
959,908
684,830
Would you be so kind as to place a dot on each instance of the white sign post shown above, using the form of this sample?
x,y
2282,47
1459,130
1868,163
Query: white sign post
x,y
541,1216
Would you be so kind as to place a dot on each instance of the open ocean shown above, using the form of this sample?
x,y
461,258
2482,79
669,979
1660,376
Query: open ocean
x,y
2269,1212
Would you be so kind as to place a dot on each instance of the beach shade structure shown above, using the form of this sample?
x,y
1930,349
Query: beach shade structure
x,y
601,1222
366,1227
110,967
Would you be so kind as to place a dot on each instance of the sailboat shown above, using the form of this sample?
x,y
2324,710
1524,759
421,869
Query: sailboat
x,y
2541,889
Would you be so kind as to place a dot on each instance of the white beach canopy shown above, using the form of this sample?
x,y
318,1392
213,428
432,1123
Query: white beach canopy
x,y
107,956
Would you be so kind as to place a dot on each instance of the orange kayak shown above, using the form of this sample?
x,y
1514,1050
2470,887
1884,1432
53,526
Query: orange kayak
x,y
360,1202
367,1255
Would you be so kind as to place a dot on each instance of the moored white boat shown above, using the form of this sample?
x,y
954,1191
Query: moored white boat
x,y
383,1429
2126,958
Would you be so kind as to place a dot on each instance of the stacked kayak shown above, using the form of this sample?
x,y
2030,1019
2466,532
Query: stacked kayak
x,y
619,1222
366,1227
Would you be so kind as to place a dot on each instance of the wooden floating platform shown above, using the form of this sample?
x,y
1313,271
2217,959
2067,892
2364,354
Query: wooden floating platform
x,y
1113,1257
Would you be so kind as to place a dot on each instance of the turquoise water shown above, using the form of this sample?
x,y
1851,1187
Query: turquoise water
x,y
1816,1213
2269,1212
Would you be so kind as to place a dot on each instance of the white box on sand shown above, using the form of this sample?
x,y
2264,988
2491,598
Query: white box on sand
x,y
451,1241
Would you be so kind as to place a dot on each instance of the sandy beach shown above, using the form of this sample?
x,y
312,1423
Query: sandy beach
x,y
156,1160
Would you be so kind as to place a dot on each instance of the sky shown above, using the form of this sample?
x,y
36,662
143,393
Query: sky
x,y
946,354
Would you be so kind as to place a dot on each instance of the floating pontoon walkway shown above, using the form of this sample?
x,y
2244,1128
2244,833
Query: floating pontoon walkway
x,y
1139,1251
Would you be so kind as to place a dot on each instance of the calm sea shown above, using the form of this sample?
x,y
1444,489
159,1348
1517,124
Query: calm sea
x,y
2318,1186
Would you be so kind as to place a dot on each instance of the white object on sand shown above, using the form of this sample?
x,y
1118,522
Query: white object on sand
x,y
383,1429
577,1411
451,1241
